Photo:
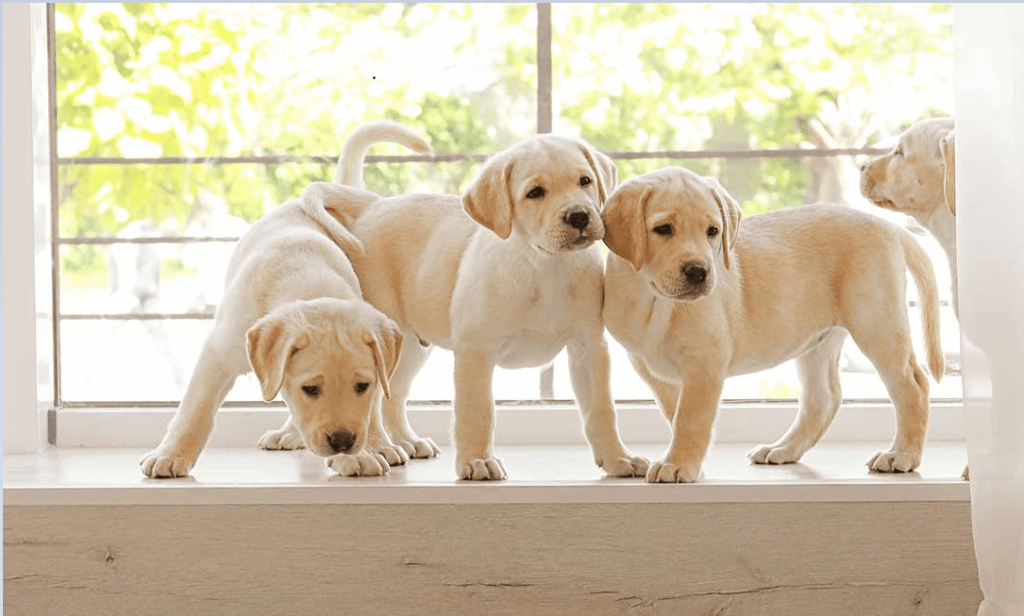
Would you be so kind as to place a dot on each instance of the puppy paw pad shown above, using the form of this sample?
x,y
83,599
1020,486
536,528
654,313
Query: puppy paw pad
x,y
769,454
627,466
275,440
360,465
894,461
420,447
162,466
482,469
666,472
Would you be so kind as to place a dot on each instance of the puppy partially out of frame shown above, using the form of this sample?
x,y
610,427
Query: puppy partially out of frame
x,y
918,178
292,309
507,275
695,297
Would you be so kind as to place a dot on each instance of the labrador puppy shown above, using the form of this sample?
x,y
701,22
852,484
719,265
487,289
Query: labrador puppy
x,y
508,275
918,178
695,301
292,310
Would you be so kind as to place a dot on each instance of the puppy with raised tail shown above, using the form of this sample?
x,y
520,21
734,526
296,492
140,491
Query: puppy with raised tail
x,y
918,178
292,310
695,297
508,274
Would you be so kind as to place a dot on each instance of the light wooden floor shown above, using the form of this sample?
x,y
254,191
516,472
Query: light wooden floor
x,y
275,533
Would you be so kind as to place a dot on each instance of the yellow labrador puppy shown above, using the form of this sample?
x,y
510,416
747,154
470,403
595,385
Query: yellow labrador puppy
x,y
292,310
507,275
696,300
918,178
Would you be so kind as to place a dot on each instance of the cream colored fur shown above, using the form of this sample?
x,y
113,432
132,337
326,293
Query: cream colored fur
x,y
778,286
918,178
292,310
500,277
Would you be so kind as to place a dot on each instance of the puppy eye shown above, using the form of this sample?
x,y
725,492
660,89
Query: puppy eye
x,y
362,387
311,390
584,181
712,231
536,192
899,151
665,230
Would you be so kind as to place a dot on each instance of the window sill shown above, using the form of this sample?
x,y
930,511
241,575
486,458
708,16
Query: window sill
x,y
831,472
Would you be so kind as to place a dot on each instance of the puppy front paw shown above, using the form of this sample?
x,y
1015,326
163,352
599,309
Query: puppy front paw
x,y
419,447
481,469
665,471
624,465
773,454
365,464
287,439
162,464
894,461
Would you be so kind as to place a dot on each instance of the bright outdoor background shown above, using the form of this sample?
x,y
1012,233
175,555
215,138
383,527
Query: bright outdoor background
x,y
229,80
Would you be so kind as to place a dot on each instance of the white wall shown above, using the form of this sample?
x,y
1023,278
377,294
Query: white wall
x,y
989,110
20,425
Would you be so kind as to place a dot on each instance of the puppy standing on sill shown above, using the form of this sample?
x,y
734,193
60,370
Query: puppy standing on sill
x,y
694,301
292,309
507,275
918,178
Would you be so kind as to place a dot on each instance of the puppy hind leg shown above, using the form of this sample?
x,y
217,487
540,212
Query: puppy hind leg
x,y
590,375
665,394
414,355
820,397
890,351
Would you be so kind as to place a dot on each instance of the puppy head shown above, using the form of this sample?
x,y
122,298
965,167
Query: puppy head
x,y
547,190
331,360
911,179
671,225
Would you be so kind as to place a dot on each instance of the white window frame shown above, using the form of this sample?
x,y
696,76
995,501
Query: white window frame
x,y
127,425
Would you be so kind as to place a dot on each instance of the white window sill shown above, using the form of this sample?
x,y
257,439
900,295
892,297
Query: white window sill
x,y
831,472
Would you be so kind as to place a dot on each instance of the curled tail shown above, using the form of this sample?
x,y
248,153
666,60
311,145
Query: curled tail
x,y
318,213
920,267
350,163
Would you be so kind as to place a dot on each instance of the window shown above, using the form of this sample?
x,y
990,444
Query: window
x,y
179,125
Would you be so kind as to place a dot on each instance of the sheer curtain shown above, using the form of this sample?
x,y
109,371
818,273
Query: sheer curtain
x,y
989,107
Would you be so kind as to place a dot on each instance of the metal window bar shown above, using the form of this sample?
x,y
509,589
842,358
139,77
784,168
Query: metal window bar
x,y
544,125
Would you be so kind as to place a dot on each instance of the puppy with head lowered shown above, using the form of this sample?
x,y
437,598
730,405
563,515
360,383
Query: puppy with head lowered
x,y
506,275
292,309
696,297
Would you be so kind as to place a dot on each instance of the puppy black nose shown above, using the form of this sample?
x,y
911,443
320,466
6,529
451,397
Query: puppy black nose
x,y
695,273
863,166
341,441
578,219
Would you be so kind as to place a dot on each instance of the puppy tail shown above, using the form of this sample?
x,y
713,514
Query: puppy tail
x,y
332,207
350,163
920,267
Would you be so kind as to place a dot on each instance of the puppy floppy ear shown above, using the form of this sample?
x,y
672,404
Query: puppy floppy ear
x,y
625,230
605,173
386,344
488,200
948,148
729,208
270,343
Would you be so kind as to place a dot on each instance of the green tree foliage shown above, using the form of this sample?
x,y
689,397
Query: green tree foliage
x,y
197,80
